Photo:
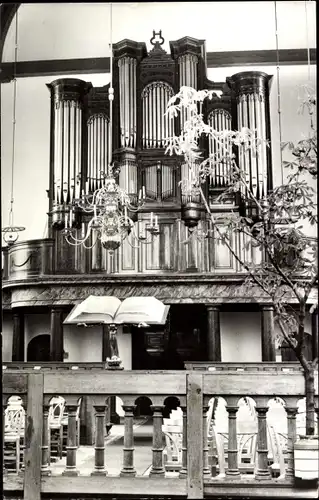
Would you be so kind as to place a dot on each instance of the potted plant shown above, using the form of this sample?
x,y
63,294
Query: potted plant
x,y
287,272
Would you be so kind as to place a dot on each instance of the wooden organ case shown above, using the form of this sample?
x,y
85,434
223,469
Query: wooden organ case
x,y
143,83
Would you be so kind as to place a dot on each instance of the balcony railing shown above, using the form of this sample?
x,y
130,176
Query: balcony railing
x,y
202,472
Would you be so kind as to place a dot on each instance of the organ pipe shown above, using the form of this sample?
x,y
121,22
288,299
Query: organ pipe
x,y
98,133
187,64
156,126
127,87
68,98
251,90
220,120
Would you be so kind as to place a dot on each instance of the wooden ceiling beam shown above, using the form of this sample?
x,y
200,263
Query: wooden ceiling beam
x,y
57,67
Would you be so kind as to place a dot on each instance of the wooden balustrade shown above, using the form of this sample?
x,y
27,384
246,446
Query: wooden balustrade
x,y
194,391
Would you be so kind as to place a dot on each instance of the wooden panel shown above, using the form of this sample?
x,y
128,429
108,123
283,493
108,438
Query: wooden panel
x,y
159,255
33,438
128,254
194,435
122,382
114,485
30,258
268,384
223,260
14,383
261,489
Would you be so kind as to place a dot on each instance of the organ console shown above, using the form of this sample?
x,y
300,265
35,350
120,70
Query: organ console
x,y
144,81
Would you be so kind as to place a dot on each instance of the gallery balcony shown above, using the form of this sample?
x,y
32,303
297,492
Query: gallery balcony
x,y
230,449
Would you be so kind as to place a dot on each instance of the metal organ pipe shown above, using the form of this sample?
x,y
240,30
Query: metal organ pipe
x,y
219,119
120,65
134,103
98,136
72,151
67,96
263,136
56,170
158,114
127,103
253,162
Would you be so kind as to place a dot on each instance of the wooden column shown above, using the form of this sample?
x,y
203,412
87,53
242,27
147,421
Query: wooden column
x,y
56,340
157,449
194,398
18,336
291,410
71,447
232,469
99,449
262,446
213,334
314,335
128,449
33,438
267,334
206,469
183,471
45,466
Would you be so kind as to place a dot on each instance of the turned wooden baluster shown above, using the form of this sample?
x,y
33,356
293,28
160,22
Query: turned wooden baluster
x,y
4,403
291,410
99,448
183,471
206,468
45,466
232,408
71,447
157,449
317,412
262,471
128,449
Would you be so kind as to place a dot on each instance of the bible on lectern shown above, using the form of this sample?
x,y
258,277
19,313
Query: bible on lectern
x,y
107,309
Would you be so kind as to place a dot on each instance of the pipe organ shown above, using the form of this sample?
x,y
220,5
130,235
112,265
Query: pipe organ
x,y
143,82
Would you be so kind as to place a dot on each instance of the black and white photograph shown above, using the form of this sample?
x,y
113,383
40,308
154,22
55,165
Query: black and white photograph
x,y
159,246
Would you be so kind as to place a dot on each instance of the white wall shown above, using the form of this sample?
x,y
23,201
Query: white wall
x,y
240,336
76,30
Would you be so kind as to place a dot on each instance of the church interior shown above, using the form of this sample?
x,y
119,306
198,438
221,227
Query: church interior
x,y
84,93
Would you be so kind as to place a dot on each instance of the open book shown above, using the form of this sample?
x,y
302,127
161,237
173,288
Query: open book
x,y
107,309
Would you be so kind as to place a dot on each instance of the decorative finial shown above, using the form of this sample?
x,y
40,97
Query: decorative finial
x,y
156,42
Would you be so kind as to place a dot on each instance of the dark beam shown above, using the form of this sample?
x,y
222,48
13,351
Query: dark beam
x,y
260,58
102,64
